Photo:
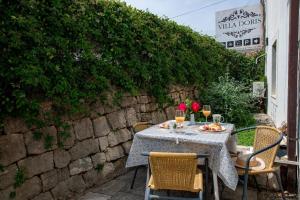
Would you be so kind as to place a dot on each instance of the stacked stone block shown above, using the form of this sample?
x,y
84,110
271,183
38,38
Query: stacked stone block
x,y
94,153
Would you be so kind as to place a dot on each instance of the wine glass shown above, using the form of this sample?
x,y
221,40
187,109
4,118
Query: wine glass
x,y
206,111
179,117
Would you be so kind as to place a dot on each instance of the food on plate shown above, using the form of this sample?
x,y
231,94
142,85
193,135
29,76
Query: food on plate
x,y
164,125
212,127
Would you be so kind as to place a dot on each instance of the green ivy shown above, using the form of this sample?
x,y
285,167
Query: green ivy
x,y
72,52
99,167
48,141
12,195
37,135
1,168
63,135
117,98
19,178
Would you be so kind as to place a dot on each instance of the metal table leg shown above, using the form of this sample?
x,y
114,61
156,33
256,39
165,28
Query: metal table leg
x,y
147,191
216,188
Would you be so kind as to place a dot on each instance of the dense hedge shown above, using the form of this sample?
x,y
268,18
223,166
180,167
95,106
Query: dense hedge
x,y
70,51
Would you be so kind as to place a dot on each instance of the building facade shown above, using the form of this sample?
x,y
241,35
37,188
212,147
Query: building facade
x,y
282,36
277,48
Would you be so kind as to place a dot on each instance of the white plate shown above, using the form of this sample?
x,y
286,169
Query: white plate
x,y
164,125
260,165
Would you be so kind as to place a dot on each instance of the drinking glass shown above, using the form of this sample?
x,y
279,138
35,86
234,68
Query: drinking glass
x,y
171,125
179,117
206,111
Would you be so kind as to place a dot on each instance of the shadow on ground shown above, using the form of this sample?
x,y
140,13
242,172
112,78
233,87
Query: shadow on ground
x,y
119,189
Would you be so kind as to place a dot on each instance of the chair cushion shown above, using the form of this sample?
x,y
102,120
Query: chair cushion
x,y
198,182
241,171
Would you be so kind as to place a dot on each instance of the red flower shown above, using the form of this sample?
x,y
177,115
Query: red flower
x,y
195,107
182,107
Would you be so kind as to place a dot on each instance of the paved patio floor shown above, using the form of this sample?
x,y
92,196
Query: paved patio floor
x,y
119,189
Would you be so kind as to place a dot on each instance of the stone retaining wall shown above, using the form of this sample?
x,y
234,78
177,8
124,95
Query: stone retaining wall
x,y
94,153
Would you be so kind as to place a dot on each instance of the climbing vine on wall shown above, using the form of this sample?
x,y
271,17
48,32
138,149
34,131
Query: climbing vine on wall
x,y
70,52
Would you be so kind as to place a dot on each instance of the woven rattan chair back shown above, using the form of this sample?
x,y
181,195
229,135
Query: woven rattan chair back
x,y
139,126
173,171
265,136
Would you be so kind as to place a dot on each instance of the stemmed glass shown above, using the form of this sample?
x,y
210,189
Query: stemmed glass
x,y
206,111
179,117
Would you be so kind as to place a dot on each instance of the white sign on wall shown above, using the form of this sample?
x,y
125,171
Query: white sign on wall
x,y
240,28
258,89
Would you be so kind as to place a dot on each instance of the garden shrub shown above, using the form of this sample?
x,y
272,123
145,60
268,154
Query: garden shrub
x,y
232,99
70,52
247,71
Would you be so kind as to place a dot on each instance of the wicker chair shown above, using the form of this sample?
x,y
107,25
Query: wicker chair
x,y
139,126
266,143
175,171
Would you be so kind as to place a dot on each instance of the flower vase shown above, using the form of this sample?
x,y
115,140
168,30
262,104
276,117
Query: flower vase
x,y
192,119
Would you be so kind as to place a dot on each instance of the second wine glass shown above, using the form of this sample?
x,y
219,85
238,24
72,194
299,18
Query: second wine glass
x,y
206,111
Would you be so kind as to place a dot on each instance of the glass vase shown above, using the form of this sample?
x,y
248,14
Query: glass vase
x,y
192,119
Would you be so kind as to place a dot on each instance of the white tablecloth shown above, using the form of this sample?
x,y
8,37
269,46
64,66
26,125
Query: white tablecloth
x,y
189,139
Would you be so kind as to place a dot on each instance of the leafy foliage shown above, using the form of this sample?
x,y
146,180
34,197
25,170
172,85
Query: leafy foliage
x,y
12,195
63,134
1,168
69,52
37,135
99,167
230,98
247,71
19,178
48,141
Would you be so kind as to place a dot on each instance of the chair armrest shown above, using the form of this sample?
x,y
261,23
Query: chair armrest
x,y
145,154
243,129
143,123
198,155
261,151
202,155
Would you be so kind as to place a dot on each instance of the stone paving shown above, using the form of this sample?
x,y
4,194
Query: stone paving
x,y
119,189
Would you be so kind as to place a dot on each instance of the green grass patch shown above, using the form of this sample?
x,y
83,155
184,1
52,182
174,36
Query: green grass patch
x,y
246,138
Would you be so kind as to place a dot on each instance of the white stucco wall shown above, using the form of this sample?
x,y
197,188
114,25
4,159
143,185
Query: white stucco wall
x,y
277,29
298,106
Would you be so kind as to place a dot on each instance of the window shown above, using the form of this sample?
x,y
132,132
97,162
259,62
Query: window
x,y
274,69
